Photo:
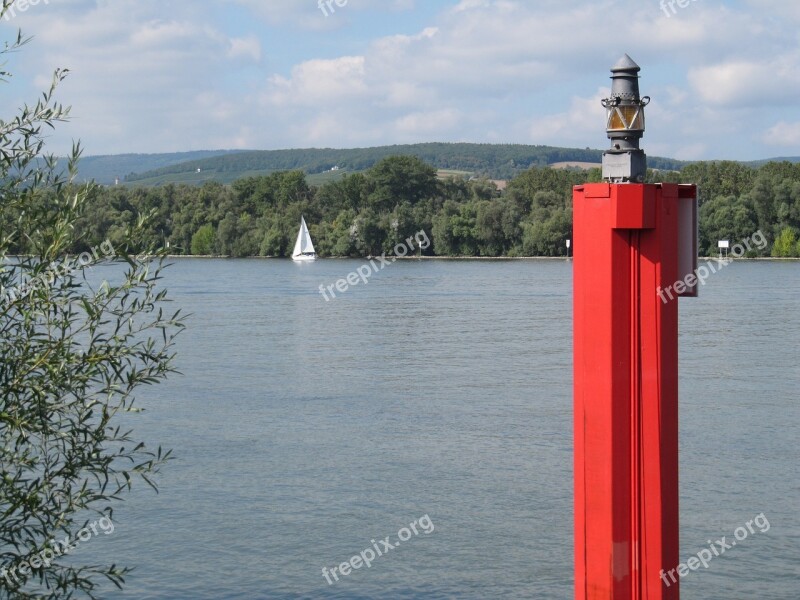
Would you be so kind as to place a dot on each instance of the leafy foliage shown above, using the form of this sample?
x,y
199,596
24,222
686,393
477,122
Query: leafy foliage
x,y
73,350
786,245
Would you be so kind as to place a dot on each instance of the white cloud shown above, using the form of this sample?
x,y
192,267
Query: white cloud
x,y
584,122
318,82
783,134
247,47
307,14
781,9
154,76
421,125
141,79
767,81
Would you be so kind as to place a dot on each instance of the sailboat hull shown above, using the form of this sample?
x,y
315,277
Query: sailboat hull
x,y
304,258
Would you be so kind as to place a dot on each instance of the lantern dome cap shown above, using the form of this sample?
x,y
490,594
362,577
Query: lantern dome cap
x,y
626,63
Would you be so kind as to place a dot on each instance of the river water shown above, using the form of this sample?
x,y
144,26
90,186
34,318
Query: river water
x,y
440,394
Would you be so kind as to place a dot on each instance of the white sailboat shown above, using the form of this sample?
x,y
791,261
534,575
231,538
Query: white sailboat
x,y
303,247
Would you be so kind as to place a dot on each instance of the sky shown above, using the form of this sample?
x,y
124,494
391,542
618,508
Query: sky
x,y
153,76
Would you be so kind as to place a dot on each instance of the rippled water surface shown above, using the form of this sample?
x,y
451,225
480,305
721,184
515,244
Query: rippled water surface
x,y
305,429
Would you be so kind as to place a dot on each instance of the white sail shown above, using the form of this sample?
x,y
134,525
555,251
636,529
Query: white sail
x,y
303,247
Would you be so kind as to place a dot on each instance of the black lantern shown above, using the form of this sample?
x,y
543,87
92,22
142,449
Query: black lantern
x,y
625,161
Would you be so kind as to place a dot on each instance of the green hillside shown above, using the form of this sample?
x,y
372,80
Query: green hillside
x,y
760,163
106,168
496,161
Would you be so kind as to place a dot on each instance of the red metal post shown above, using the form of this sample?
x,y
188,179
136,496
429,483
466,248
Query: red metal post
x,y
626,390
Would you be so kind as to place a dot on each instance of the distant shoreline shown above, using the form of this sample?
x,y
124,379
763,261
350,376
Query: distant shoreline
x,y
486,258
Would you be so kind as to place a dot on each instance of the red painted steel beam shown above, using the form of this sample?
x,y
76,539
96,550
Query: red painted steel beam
x,y
625,390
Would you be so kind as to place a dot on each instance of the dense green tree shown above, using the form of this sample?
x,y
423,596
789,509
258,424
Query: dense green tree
x,y
255,194
723,178
456,189
249,236
762,199
557,182
547,236
401,179
483,189
204,241
786,244
369,231
291,187
74,350
342,237
275,241
454,231
498,227
238,236
725,218
350,192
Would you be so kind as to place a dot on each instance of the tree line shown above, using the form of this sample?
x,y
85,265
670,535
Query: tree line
x,y
369,213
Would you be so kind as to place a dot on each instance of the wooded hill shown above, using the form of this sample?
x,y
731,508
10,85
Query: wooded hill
x,y
494,161
105,169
